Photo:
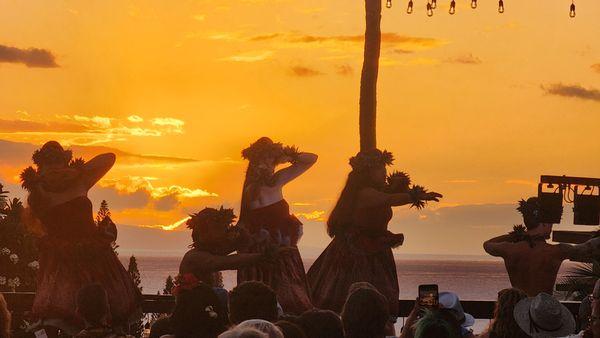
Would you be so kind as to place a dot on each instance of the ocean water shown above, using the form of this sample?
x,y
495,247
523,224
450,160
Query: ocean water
x,y
470,279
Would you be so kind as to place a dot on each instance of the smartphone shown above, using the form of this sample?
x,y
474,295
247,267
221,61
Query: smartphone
x,y
428,295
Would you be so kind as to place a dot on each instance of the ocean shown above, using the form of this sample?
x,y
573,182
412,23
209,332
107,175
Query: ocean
x,y
471,279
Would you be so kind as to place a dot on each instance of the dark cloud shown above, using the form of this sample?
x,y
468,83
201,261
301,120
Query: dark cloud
x,y
466,59
32,57
19,154
13,126
302,71
392,38
167,203
344,70
264,37
120,200
596,67
575,91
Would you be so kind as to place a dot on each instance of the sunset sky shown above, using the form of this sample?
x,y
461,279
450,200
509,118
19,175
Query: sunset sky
x,y
476,105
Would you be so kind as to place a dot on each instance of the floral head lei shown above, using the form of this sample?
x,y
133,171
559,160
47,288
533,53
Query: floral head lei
x,y
365,160
50,153
264,148
530,209
209,219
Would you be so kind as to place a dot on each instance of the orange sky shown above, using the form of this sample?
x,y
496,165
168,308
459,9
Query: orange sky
x,y
475,105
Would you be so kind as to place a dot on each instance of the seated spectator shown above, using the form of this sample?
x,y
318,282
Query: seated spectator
x,y
198,313
433,325
5,318
93,308
252,300
263,326
321,324
450,302
544,316
365,313
161,327
243,333
290,330
503,324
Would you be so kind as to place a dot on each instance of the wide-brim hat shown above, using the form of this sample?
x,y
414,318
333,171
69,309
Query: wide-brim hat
x,y
450,301
544,316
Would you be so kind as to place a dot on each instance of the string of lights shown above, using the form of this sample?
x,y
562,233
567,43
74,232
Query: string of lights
x,y
432,4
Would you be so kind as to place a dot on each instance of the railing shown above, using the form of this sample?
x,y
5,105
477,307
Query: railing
x,y
22,301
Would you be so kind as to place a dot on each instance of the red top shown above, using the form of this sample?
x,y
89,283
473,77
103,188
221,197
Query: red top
x,y
70,220
277,220
369,233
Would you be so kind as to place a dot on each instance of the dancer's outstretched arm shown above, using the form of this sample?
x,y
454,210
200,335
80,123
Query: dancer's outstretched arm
x,y
584,252
371,197
96,168
201,260
300,165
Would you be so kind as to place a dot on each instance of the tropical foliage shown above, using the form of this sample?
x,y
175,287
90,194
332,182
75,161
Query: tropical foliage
x,y
18,251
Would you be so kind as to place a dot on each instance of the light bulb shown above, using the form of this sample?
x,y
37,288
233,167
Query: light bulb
x,y
452,7
388,4
500,6
409,10
572,10
433,4
473,4
429,10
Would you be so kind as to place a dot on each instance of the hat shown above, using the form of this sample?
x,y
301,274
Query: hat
x,y
450,301
544,316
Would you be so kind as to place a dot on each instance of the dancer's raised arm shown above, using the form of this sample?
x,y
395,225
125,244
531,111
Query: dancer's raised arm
x,y
498,246
96,168
300,164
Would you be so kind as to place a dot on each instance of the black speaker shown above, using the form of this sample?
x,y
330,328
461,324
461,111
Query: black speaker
x,y
586,209
551,205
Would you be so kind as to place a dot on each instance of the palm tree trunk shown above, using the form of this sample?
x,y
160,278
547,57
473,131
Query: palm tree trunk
x,y
368,81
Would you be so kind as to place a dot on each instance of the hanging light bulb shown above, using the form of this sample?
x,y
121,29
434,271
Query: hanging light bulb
x,y
429,9
572,10
409,9
433,4
388,4
500,6
452,7
473,4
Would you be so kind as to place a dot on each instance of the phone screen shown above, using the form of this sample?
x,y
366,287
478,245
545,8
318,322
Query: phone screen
x,y
428,295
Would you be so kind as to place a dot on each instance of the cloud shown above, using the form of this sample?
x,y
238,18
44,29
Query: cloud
x,y
344,70
31,57
466,59
173,125
87,130
199,17
18,154
11,126
135,119
399,43
169,227
264,37
132,184
316,215
302,71
256,56
596,67
575,91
